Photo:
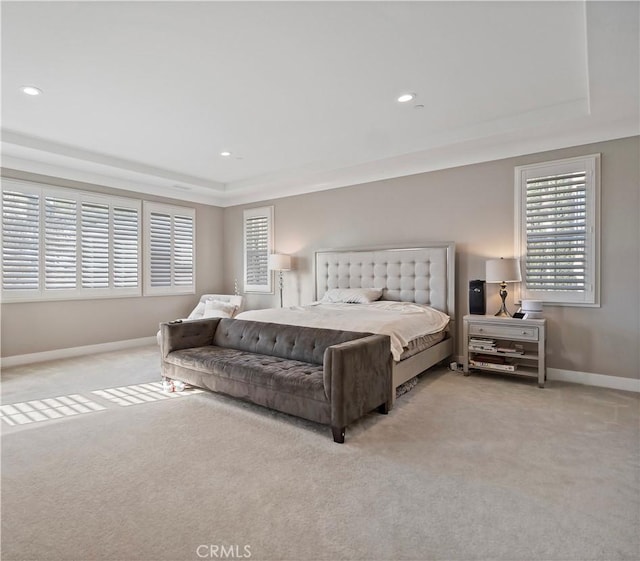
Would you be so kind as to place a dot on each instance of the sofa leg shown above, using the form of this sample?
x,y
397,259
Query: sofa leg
x,y
338,434
384,408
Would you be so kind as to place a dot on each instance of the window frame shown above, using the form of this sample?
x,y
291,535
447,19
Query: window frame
x,y
43,191
266,212
590,164
150,207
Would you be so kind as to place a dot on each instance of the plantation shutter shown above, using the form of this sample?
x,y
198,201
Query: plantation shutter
x,y
126,238
257,250
170,260
95,245
558,225
60,242
160,249
556,232
257,247
20,241
64,243
183,250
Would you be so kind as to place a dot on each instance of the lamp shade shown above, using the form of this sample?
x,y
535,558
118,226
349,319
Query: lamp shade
x,y
279,262
503,270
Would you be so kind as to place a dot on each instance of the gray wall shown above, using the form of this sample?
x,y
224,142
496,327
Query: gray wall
x,y
474,207
33,327
471,205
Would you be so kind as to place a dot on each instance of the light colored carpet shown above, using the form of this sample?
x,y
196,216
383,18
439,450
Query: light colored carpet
x,y
464,468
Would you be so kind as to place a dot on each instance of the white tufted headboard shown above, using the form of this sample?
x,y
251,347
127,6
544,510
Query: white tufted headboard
x,y
423,274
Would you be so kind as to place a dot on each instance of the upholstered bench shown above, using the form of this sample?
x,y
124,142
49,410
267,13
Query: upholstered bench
x,y
324,375
215,305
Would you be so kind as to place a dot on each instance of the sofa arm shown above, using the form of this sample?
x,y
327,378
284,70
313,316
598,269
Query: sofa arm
x,y
186,334
357,377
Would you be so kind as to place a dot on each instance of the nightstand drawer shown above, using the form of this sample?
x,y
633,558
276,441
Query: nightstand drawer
x,y
504,331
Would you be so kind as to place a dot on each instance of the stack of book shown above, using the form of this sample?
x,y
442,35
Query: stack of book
x,y
492,362
509,348
482,344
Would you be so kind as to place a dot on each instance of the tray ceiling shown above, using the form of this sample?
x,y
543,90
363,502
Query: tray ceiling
x,y
146,95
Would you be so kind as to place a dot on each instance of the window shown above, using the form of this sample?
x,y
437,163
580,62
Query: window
x,y
258,244
557,230
63,243
170,249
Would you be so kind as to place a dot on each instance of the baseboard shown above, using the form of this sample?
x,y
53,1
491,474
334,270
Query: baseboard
x,y
573,376
588,379
591,379
19,360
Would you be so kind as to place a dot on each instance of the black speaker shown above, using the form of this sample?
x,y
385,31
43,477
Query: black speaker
x,y
477,303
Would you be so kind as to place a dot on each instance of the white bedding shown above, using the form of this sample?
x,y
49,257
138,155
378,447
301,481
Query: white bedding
x,y
402,321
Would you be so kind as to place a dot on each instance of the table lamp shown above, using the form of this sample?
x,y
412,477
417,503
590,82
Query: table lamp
x,y
503,271
280,262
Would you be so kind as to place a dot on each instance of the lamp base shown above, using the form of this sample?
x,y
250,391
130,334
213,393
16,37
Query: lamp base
x,y
502,312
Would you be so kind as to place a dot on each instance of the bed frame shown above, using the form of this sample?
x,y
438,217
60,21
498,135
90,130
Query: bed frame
x,y
424,274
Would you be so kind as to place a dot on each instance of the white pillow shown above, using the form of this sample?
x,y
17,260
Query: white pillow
x,y
218,309
352,295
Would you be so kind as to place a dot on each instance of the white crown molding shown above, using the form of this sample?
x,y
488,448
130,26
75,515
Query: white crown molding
x,y
28,147
119,174
35,155
132,184
467,153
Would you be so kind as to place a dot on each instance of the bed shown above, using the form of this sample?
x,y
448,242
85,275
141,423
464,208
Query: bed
x,y
417,285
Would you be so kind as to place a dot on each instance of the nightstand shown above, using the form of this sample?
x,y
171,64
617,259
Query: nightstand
x,y
505,345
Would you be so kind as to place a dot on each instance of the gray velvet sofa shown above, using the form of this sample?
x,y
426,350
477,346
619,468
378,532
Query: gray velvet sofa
x,y
327,376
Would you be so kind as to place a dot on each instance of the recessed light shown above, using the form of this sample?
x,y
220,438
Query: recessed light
x,y
30,90
406,97
225,154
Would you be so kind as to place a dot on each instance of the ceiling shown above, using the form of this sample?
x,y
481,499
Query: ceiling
x,y
145,95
